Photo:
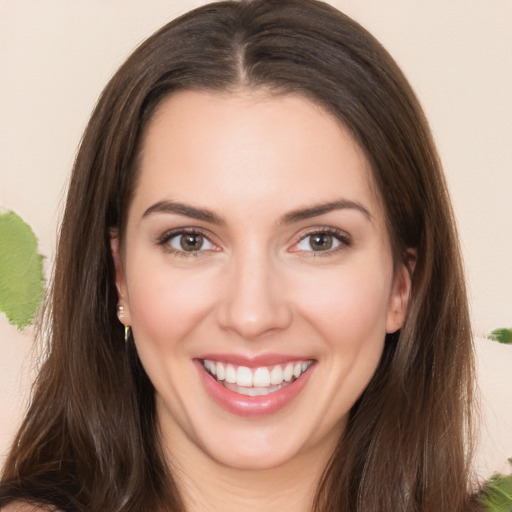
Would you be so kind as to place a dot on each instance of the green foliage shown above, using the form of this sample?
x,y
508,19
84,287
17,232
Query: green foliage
x,y
503,335
497,496
21,270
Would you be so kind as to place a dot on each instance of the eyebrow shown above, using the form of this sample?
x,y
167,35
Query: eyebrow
x,y
186,210
321,209
206,215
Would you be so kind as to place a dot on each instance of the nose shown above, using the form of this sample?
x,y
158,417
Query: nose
x,y
254,299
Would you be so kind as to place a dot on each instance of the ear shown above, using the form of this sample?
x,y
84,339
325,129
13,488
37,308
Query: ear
x,y
401,291
123,311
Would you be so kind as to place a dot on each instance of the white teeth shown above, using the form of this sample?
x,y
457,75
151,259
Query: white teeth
x,y
210,366
288,372
230,374
253,391
244,377
256,381
261,377
276,375
221,373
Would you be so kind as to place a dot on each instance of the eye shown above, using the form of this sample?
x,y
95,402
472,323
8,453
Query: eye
x,y
318,242
186,242
325,240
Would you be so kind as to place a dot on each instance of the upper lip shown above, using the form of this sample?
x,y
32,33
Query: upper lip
x,y
254,360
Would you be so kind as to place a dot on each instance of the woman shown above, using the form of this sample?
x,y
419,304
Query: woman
x,y
258,300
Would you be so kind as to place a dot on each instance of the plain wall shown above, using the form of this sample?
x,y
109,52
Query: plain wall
x,y
57,55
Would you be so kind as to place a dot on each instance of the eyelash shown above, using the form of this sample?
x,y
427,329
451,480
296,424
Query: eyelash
x,y
340,236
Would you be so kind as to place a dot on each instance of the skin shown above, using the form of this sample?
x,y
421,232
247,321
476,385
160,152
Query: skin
x,y
255,287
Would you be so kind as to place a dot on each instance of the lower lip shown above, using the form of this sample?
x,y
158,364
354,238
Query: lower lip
x,y
243,405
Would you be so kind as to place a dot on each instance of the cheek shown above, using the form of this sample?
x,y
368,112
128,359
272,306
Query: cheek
x,y
348,314
166,304
347,305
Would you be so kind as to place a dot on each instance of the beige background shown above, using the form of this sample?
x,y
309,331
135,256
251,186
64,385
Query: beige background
x,y
57,55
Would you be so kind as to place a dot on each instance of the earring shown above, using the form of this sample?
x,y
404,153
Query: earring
x,y
120,315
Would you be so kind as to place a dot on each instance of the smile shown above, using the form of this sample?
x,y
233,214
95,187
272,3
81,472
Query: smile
x,y
258,381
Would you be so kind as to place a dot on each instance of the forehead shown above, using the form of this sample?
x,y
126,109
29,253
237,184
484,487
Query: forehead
x,y
250,146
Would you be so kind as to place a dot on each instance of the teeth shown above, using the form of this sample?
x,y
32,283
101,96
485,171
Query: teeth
x,y
255,381
256,391
220,371
261,377
276,376
230,374
288,372
244,377
210,366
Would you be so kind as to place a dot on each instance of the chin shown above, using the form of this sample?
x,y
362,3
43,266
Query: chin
x,y
255,451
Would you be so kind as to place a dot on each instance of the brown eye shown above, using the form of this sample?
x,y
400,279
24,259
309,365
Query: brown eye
x,y
321,242
191,241
318,242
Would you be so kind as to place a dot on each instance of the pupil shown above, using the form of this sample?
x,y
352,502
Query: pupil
x,y
191,242
321,242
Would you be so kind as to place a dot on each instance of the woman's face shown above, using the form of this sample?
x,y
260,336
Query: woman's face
x,y
256,275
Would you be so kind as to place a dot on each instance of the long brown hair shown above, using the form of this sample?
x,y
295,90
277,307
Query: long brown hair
x,y
89,440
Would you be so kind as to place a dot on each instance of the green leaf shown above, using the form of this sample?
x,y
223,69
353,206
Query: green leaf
x,y
503,335
497,496
21,270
